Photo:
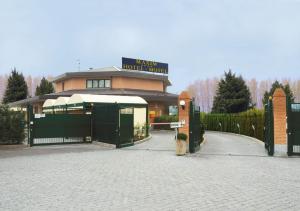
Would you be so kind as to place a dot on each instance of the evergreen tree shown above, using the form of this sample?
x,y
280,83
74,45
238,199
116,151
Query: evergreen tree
x,y
45,87
16,88
275,85
11,126
232,95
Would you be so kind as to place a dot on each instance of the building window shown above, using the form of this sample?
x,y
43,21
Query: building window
x,y
89,84
95,83
107,83
103,83
63,86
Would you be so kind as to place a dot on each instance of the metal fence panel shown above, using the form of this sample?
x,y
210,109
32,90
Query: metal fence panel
x,y
269,128
293,130
194,128
106,123
62,125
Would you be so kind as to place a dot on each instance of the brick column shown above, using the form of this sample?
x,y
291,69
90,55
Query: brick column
x,y
184,114
279,109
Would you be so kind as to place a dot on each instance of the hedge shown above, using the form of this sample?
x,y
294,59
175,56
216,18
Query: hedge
x,y
249,123
163,119
11,126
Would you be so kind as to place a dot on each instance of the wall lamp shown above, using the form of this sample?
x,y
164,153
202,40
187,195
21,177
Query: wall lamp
x,y
182,104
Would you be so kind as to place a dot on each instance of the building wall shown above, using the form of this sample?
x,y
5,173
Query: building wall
x,y
69,84
136,83
58,86
116,83
157,109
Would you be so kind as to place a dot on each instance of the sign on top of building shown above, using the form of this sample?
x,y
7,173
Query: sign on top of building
x,y
144,65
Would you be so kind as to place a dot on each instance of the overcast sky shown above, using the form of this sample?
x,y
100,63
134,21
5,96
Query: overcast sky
x,y
198,39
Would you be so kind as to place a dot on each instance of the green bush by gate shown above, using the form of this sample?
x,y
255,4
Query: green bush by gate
x,y
11,125
109,119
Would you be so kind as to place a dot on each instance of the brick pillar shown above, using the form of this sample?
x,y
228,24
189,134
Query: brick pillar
x,y
184,114
279,109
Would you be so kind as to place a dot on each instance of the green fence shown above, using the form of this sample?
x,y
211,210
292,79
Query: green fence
x,y
60,128
106,123
293,129
195,128
269,128
250,123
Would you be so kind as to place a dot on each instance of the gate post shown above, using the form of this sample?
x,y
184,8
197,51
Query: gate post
x,y
288,130
30,125
147,121
271,127
184,100
280,114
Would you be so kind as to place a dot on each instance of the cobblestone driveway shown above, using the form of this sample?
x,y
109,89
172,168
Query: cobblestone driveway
x,y
229,173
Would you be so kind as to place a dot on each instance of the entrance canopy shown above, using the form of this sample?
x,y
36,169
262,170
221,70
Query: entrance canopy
x,y
49,103
78,99
61,101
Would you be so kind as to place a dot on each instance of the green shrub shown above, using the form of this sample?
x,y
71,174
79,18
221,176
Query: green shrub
x,y
249,123
164,119
181,136
11,126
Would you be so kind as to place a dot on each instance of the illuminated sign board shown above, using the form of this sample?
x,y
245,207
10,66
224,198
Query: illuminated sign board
x,y
144,65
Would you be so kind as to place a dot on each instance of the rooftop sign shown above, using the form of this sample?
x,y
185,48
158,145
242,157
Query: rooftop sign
x,y
144,65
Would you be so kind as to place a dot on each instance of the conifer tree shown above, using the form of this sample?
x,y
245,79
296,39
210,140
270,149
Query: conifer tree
x,y
16,88
45,87
275,85
232,95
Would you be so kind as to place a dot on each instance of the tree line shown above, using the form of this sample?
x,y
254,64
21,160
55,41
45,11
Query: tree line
x,y
15,86
206,91
233,106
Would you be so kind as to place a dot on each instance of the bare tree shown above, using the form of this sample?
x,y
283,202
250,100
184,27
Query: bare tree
x,y
29,85
252,84
3,83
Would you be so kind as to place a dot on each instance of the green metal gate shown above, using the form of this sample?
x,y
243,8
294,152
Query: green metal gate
x,y
126,127
269,128
113,124
106,123
58,128
293,128
194,127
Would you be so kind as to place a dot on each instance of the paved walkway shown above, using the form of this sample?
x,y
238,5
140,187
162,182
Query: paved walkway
x,y
229,173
